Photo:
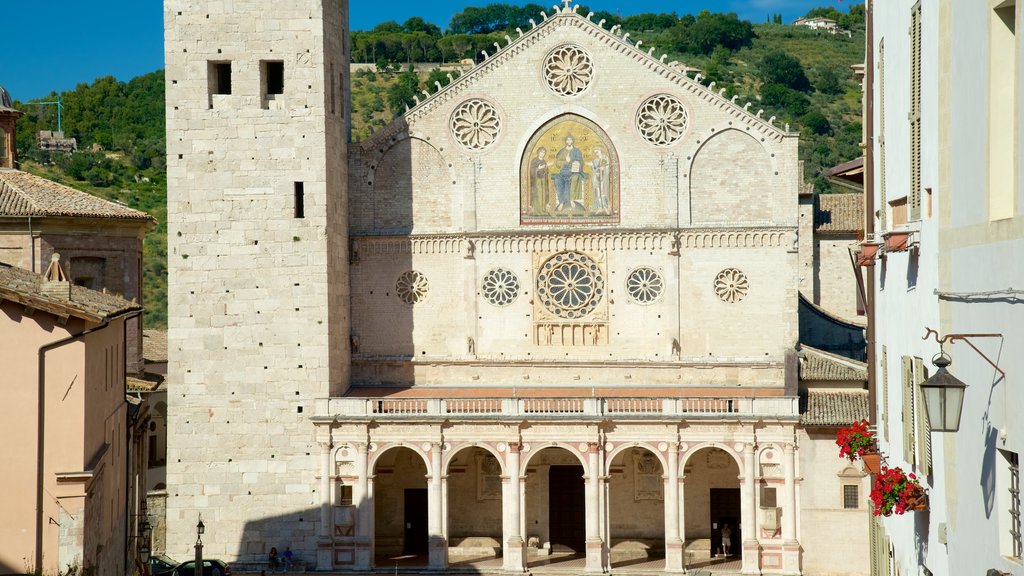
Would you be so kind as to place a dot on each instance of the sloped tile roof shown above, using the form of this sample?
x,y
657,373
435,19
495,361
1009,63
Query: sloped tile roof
x,y
148,383
820,365
25,287
154,345
834,407
24,194
839,213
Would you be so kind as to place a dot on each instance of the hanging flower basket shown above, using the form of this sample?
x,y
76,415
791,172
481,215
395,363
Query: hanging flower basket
x,y
870,249
897,241
872,461
895,492
855,441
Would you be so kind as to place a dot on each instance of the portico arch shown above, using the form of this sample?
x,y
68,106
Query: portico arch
x,y
400,505
475,477
556,503
636,505
712,502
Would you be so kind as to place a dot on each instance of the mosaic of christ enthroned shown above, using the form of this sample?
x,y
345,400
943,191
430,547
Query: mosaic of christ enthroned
x,y
569,174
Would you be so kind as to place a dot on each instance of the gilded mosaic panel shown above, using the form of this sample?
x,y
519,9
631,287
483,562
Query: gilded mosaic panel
x,y
569,175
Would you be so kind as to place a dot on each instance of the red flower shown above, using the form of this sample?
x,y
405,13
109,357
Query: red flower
x,y
855,440
891,491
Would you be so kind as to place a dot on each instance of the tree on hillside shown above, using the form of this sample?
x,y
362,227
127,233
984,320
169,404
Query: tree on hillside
x,y
417,24
650,22
777,67
494,18
402,92
707,31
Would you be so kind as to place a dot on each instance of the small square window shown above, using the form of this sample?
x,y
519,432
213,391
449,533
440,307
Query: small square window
x,y
851,496
768,498
274,77
344,495
220,77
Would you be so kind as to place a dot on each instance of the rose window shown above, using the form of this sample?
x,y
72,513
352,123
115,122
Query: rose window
x,y
568,70
501,287
644,285
662,120
412,287
570,285
731,285
475,124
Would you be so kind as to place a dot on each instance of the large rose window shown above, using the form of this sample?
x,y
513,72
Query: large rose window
x,y
662,120
475,124
568,70
570,285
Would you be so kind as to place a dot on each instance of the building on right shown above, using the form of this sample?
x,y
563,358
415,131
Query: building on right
x,y
944,252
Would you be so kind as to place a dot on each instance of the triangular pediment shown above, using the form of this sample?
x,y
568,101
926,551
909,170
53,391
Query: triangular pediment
x,y
521,50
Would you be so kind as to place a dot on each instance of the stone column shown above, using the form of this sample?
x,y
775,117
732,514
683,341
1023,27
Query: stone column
x,y
790,545
515,546
673,545
437,546
595,545
325,544
748,514
364,510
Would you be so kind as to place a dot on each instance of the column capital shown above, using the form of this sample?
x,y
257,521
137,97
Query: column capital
x,y
748,448
362,447
593,447
789,447
515,447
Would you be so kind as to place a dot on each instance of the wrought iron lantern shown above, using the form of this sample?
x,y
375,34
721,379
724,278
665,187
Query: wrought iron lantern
x,y
943,397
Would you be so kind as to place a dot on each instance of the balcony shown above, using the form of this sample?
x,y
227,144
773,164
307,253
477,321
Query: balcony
x,y
625,408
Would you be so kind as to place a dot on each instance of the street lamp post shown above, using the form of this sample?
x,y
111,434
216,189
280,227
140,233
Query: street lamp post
x,y
200,530
943,397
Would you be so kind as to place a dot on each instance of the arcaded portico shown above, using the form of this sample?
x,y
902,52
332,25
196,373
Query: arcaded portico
x,y
562,481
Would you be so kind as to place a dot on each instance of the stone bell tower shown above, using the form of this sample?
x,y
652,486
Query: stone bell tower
x,y
257,125
8,130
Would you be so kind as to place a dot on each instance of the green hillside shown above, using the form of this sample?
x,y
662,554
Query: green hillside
x,y
801,76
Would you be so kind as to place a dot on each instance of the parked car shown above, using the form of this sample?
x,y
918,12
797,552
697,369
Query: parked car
x,y
210,568
160,565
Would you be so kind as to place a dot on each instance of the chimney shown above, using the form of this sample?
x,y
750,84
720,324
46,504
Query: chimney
x,y
55,282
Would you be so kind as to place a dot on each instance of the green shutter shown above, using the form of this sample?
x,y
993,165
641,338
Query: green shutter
x,y
924,437
885,394
908,410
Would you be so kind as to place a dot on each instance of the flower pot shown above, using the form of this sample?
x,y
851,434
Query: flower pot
x,y
869,250
872,462
897,241
917,498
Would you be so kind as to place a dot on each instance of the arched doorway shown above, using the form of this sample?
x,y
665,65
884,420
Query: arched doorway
x,y
712,508
474,523
555,506
400,508
636,507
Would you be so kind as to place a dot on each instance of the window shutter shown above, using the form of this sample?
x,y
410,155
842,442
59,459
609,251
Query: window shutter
x,y
885,393
914,195
883,208
924,437
908,410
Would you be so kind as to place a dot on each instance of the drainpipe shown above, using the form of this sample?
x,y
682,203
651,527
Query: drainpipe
x,y
869,199
41,427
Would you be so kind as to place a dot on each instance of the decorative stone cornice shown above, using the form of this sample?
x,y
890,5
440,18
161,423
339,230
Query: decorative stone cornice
x,y
549,242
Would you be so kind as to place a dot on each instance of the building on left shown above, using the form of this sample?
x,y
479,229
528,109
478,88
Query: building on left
x,y
70,337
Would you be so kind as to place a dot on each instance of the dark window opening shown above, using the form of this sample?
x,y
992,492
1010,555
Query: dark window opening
x,y
300,200
275,77
220,77
345,495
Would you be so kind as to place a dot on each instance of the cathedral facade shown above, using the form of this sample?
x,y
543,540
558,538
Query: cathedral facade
x,y
551,309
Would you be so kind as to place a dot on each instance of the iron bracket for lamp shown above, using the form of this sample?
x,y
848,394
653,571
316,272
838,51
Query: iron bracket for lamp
x,y
965,338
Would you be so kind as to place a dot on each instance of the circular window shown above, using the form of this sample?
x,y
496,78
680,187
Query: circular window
x,y
568,70
412,287
644,285
570,285
501,287
662,120
731,285
475,124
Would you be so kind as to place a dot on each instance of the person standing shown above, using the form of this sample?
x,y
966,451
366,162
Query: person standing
x,y
570,176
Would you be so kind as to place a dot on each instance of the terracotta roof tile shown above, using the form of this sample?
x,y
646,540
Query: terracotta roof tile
x,y
154,345
25,287
823,366
839,213
24,194
834,407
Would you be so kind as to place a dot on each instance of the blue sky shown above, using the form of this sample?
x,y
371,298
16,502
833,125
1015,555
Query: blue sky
x,y
58,44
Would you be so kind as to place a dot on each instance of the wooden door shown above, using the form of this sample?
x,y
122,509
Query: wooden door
x,y
416,538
